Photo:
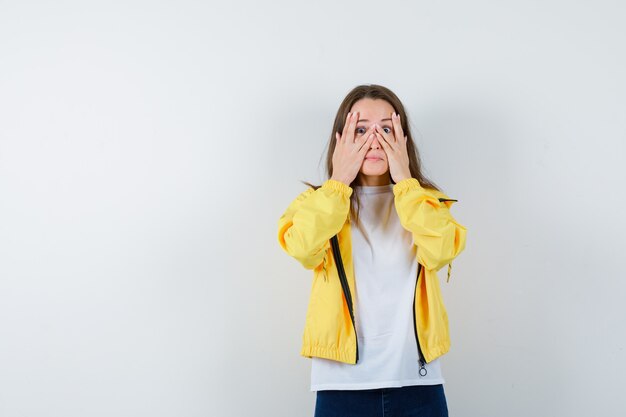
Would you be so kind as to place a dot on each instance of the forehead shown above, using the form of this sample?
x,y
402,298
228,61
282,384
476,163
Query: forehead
x,y
372,109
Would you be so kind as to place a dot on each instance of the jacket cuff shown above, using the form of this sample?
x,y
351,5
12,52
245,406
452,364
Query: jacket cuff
x,y
338,186
405,185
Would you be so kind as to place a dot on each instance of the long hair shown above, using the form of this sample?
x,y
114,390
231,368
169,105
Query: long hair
x,y
373,91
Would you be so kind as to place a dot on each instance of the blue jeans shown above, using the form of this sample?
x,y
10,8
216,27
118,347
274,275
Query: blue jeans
x,y
407,401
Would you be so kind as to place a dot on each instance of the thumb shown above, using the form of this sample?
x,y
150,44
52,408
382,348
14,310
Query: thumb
x,y
366,145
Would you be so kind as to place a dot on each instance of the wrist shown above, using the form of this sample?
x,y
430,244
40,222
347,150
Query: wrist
x,y
340,180
402,177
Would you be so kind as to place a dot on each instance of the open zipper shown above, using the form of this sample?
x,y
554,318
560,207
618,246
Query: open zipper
x,y
420,357
346,292
344,285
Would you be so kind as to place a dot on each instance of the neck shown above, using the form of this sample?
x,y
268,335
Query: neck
x,y
373,180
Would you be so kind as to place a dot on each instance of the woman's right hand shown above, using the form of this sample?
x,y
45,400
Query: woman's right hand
x,y
350,153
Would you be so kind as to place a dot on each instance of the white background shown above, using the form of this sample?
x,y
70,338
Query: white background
x,y
147,150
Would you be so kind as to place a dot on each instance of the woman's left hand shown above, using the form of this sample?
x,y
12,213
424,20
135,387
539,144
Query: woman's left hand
x,y
394,145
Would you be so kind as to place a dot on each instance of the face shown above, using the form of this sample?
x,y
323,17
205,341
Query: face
x,y
375,168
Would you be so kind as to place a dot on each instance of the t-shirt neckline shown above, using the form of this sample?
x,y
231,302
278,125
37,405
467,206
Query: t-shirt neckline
x,y
373,189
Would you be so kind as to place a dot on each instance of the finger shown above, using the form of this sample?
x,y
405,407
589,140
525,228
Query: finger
x,y
386,140
354,118
345,125
366,145
388,136
383,141
338,137
363,138
397,125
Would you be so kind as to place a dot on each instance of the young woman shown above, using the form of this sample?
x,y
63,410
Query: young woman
x,y
375,234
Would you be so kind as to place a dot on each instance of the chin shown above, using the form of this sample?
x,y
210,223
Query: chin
x,y
374,172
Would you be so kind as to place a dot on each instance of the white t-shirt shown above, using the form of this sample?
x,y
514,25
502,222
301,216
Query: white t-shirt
x,y
385,269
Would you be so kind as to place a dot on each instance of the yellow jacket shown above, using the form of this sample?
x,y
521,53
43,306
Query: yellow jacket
x,y
308,227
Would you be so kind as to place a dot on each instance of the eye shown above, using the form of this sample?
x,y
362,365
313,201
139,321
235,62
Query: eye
x,y
360,130
387,129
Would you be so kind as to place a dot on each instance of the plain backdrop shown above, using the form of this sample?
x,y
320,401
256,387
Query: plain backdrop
x,y
148,148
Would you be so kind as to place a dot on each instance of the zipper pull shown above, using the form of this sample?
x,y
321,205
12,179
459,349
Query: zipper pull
x,y
423,371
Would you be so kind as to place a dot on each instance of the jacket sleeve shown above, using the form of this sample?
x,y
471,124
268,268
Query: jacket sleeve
x,y
438,236
305,228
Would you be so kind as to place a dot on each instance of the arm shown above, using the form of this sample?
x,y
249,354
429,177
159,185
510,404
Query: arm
x,y
438,236
305,228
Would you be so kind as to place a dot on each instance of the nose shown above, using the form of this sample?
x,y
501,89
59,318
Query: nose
x,y
375,144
